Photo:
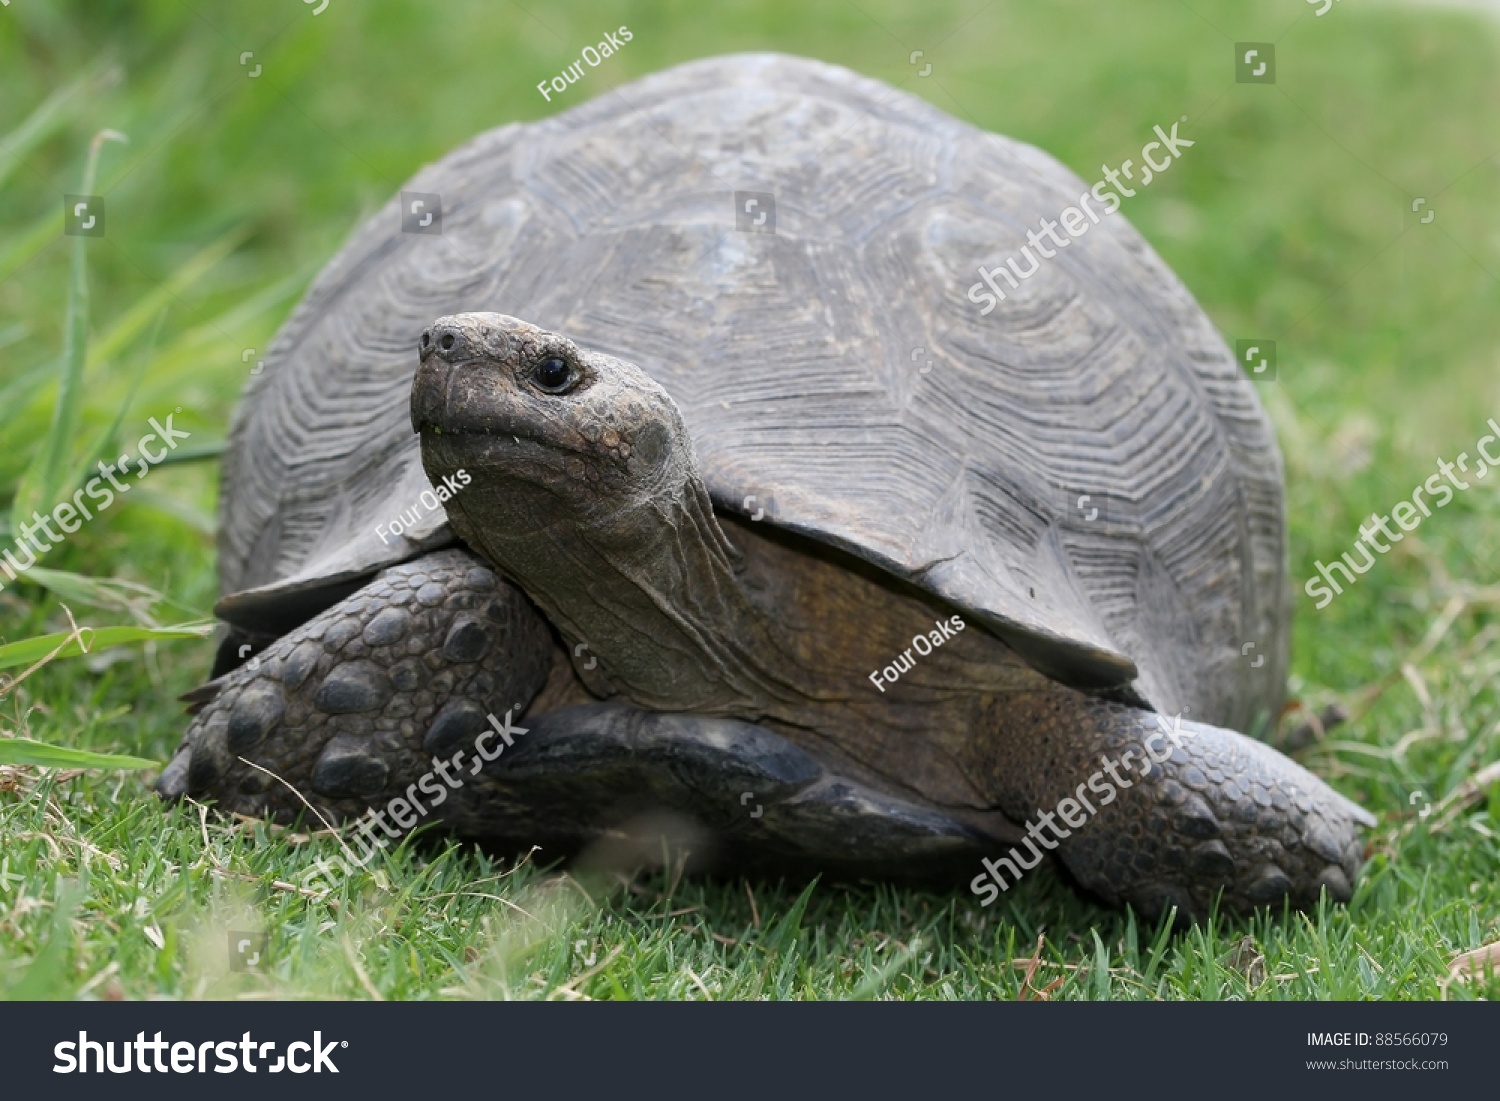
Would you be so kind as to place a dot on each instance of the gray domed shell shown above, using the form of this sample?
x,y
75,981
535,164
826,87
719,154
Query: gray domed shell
x,y
1084,470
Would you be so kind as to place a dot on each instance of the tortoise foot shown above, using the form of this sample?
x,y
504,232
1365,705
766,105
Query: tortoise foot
x,y
354,706
1162,813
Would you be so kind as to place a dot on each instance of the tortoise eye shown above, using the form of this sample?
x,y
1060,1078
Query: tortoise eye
x,y
554,375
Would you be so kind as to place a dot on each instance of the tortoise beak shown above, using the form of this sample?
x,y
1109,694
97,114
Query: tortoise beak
x,y
467,399
462,359
445,345
429,394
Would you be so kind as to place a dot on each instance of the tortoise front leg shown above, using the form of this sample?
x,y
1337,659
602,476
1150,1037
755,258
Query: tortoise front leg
x,y
352,708
1161,812
390,695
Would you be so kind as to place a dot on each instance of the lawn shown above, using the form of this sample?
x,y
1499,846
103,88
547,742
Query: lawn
x,y
1345,212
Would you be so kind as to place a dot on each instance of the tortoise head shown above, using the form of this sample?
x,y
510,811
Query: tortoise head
x,y
548,433
574,473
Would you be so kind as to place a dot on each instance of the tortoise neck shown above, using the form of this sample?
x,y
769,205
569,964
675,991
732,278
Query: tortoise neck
x,y
649,599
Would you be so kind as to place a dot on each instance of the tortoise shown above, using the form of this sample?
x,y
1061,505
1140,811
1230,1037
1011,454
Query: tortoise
x,y
743,511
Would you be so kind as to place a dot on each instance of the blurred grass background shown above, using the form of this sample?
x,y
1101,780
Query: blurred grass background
x,y
1291,219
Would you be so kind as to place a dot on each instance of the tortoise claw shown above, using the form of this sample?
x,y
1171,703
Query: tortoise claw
x,y
171,785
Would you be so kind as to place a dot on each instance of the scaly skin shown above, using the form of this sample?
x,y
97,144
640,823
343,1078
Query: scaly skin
x,y
557,480
430,648
586,493
352,706
1197,810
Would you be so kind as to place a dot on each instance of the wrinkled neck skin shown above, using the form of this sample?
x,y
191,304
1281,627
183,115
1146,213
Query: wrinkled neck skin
x,y
639,578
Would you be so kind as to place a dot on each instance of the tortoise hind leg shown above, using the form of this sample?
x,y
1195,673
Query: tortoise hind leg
x,y
349,708
1162,812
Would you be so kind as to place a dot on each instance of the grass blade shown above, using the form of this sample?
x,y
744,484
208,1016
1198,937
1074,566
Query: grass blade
x,y
24,751
88,640
47,976
134,321
879,979
44,480
111,594
104,445
53,114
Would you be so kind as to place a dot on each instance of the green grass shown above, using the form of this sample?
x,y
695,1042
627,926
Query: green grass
x,y
1291,219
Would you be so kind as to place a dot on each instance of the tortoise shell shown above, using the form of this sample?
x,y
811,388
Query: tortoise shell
x,y
787,248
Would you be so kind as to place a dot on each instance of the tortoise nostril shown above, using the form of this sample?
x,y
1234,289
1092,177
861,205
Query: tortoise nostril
x,y
448,342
